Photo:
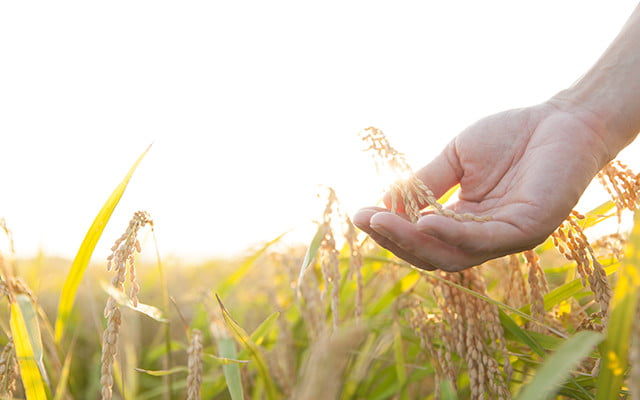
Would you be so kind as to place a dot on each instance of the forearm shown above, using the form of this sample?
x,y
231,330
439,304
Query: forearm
x,y
607,97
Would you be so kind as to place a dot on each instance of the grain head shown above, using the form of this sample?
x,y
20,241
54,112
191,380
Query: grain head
x,y
194,365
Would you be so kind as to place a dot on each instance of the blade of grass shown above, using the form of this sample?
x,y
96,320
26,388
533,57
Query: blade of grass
x,y
255,354
245,267
83,256
311,253
64,374
446,390
163,372
615,348
227,350
398,352
32,379
122,299
557,368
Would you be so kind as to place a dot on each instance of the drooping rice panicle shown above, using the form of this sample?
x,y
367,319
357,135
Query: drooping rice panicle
x,y
572,242
8,370
408,190
330,257
516,294
194,365
622,185
474,332
123,252
355,262
427,327
538,287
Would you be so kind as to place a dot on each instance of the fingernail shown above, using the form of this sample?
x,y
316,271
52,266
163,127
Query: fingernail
x,y
378,228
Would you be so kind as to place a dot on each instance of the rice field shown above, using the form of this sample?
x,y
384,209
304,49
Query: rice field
x,y
338,319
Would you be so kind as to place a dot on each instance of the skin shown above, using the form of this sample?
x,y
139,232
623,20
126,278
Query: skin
x,y
527,168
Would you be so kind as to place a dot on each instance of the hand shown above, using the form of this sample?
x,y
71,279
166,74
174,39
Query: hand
x,y
526,168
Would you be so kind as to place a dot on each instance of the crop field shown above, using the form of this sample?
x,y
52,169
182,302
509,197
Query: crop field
x,y
340,318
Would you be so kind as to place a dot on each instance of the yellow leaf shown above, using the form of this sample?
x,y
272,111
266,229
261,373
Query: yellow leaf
x,y
83,256
32,380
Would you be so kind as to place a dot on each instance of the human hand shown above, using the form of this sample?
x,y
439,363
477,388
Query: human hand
x,y
526,168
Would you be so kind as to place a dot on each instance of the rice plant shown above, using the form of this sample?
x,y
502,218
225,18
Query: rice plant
x,y
338,319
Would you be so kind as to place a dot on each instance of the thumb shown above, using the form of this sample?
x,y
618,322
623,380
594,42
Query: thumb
x,y
440,175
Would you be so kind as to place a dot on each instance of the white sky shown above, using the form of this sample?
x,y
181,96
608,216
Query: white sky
x,y
252,105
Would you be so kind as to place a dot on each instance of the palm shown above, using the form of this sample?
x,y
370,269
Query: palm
x,y
526,168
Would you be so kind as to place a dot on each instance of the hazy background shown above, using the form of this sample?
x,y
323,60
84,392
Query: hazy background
x,y
252,105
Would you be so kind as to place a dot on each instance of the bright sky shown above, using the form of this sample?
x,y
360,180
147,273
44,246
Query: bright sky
x,y
252,105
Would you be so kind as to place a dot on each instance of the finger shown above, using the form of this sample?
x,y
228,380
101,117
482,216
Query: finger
x,y
407,242
362,220
440,175
491,238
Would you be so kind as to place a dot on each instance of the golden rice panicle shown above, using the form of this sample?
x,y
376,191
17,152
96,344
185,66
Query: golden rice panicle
x,y
427,325
538,287
408,189
194,365
123,255
329,257
572,242
622,185
385,155
123,252
8,370
109,351
355,261
516,294
611,245
474,333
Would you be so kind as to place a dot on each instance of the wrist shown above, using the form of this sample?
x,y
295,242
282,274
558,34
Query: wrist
x,y
604,117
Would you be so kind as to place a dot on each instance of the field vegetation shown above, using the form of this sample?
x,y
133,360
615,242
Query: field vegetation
x,y
338,319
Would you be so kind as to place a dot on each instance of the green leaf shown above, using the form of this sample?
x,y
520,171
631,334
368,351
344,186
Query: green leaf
x,y
83,256
64,377
398,352
163,372
615,348
557,368
264,328
311,253
227,349
226,360
446,390
22,330
255,353
510,326
245,267
124,300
